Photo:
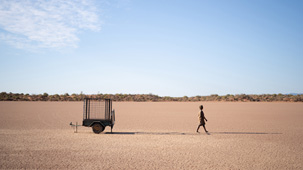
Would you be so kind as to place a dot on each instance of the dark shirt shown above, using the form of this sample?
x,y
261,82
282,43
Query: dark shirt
x,y
201,115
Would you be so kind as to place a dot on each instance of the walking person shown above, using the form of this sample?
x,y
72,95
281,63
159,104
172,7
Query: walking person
x,y
202,118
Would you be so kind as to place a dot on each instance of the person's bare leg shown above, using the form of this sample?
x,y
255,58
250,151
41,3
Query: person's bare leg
x,y
205,128
198,128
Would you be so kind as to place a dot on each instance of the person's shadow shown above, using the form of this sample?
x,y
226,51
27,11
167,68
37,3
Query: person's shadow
x,y
203,133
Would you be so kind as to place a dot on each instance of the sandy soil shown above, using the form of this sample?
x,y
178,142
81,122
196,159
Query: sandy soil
x,y
153,136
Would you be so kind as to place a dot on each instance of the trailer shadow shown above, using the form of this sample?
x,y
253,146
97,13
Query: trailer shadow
x,y
246,133
180,133
149,133
120,133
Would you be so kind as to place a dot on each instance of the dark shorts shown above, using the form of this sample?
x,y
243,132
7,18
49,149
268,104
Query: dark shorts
x,y
202,122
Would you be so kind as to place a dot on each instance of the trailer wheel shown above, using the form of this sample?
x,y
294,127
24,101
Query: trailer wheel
x,y
97,128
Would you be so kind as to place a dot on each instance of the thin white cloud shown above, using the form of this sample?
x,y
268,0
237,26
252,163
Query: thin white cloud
x,y
46,23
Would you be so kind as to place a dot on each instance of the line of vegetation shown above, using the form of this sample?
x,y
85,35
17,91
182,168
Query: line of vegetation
x,y
151,97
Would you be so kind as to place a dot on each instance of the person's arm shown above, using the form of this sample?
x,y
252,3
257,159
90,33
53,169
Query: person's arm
x,y
204,116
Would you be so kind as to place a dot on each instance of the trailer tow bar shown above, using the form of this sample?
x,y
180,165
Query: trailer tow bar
x,y
76,125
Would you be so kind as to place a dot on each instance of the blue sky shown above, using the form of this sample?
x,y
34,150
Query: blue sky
x,y
168,48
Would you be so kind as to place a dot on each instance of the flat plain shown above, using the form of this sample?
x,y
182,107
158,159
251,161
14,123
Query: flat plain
x,y
153,135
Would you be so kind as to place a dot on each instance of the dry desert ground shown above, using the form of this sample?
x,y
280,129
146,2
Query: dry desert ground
x,y
153,135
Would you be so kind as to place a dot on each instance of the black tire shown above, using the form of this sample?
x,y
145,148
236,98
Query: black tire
x,y
97,128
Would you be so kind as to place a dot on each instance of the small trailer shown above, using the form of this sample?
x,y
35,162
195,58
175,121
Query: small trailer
x,y
98,113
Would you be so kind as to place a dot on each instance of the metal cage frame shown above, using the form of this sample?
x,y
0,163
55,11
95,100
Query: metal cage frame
x,y
92,109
